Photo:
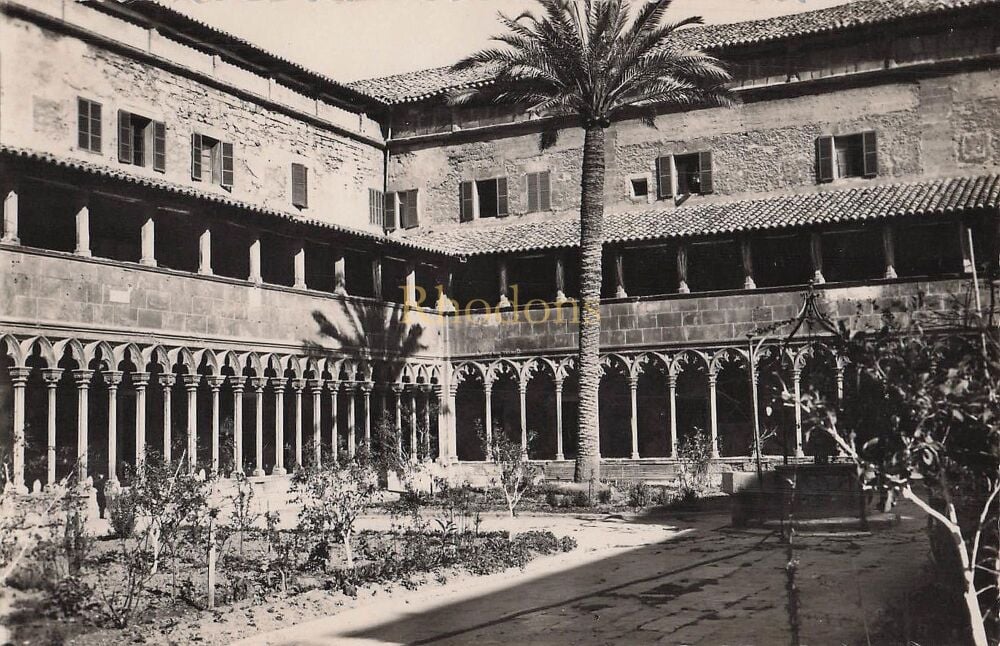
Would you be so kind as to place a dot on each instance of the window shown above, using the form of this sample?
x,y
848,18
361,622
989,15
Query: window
x,y
376,207
846,156
300,186
211,159
485,198
141,141
539,192
403,204
639,187
689,174
89,125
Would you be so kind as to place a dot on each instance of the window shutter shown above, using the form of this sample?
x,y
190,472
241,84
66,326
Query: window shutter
x,y
376,206
544,191
82,124
390,211
501,197
466,204
532,192
300,186
159,146
705,172
408,210
124,137
227,165
664,180
196,157
869,145
824,159
95,127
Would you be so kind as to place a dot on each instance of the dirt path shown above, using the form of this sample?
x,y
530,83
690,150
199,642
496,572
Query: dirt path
x,y
651,582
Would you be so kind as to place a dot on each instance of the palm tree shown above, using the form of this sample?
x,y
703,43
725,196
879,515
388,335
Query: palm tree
x,y
587,59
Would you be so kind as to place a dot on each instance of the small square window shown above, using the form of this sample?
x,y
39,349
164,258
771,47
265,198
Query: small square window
x,y
640,187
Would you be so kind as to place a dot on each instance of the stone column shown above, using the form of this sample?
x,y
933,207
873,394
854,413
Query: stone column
x,y
426,390
746,255
967,251
51,377
633,388
444,302
414,445
83,232
10,218
255,275
139,381
816,255
238,384
410,284
297,386
502,283
377,277
451,423
522,389
397,390
205,252
442,425
258,384
713,412
279,384
889,250
82,379
560,278
167,381
366,409
334,432
300,267
797,385
672,389
112,378
316,390
352,420
191,388
618,259
339,272
19,377
682,269
148,241
215,384
488,423
559,420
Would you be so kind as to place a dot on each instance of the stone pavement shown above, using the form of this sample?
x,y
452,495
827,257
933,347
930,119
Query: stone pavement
x,y
665,582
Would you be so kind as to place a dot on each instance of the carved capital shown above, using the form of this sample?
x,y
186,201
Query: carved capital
x,y
298,385
168,380
20,375
258,383
83,377
112,377
191,382
215,381
52,376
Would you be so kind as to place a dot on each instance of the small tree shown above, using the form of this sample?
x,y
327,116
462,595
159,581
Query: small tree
x,y
515,473
920,416
695,453
332,499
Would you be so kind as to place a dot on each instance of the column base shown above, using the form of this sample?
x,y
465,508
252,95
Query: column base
x,y
818,278
749,284
299,286
84,253
890,273
683,288
635,456
504,303
278,471
258,473
5,240
620,293
205,272
147,262
560,457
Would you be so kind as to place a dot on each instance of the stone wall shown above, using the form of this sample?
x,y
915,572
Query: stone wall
x,y
43,72
926,125
63,295
703,320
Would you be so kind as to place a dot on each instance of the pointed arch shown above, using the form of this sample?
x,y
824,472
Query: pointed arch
x,y
466,369
128,352
208,358
618,362
688,358
537,365
732,356
14,349
91,350
181,356
293,364
45,349
502,367
156,354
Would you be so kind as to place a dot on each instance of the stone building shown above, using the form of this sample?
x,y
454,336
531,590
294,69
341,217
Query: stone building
x,y
206,248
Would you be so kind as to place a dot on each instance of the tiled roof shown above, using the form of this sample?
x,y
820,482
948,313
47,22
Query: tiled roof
x,y
941,196
414,86
180,189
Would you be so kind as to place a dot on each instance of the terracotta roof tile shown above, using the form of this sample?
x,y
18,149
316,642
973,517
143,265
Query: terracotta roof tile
x,y
934,197
414,86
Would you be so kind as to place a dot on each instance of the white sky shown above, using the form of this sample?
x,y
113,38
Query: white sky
x,y
352,39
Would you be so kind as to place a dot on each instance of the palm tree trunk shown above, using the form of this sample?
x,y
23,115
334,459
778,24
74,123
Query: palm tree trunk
x,y
588,457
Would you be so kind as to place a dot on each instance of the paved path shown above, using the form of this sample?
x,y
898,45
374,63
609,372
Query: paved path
x,y
687,583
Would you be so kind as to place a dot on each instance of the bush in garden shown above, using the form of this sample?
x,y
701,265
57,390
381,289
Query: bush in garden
x,y
640,495
695,453
604,496
71,595
121,514
242,517
581,499
332,498
511,459
567,544
543,542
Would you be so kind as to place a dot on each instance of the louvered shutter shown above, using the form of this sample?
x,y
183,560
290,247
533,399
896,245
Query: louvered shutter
x,y
466,205
227,165
95,127
824,159
390,211
869,144
705,172
544,191
82,124
408,210
159,146
532,192
502,197
376,206
664,178
196,157
300,186
124,137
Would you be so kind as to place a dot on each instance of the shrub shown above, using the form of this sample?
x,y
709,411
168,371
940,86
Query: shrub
x,y
695,453
70,596
581,499
567,544
604,496
543,542
552,499
121,515
515,472
640,495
